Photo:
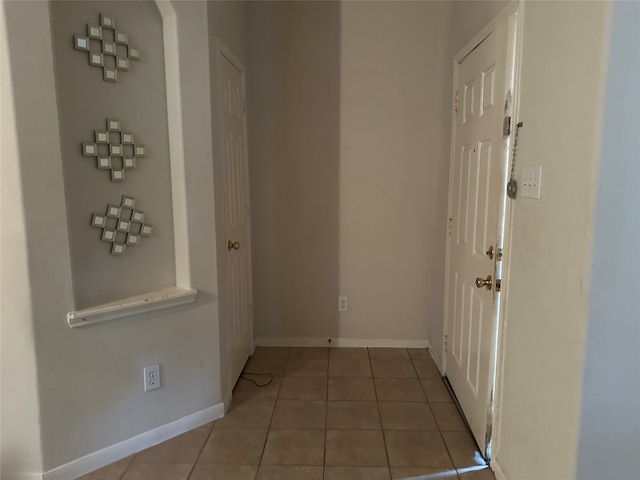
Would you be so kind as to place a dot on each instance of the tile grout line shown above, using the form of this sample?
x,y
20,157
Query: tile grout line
x,y
326,400
213,426
266,439
326,416
201,450
435,419
133,457
375,392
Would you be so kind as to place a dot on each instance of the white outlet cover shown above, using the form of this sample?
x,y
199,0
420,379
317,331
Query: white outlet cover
x,y
151,377
531,181
343,304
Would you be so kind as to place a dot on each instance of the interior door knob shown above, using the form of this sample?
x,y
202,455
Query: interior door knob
x,y
484,282
233,245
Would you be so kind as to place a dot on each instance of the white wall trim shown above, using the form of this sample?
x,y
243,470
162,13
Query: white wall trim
x,y
506,244
339,342
497,470
175,114
23,476
118,451
136,305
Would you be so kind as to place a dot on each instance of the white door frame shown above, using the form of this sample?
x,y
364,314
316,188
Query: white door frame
x,y
221,50
516,6
514,54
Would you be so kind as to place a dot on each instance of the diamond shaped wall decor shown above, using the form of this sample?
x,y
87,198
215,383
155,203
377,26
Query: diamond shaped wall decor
x,y
114,150
122,225
107,47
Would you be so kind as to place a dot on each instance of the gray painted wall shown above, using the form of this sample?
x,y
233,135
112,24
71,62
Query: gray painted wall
x,y
293,120
547,291
349,158
93,415
89,380
394,160
609,442
468,18
138,100
19,403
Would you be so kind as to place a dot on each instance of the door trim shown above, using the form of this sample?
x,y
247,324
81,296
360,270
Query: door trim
x,y
477,39
517,7
515,63
222,50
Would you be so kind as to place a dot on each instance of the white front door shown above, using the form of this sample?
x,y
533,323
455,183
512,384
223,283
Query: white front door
x,y
477,186
236,196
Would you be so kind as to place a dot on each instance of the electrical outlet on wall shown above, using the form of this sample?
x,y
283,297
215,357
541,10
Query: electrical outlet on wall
x,y
151,377
343,304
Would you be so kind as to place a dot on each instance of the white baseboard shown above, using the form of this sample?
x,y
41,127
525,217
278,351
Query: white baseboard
x,y
113,453
497,470
22,476
338,342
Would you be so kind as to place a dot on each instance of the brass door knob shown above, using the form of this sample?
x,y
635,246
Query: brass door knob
x,y
233,245
484,282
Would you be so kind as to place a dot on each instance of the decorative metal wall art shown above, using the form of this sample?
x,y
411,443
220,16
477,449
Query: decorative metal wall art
x,y
122,225
114,150
107,47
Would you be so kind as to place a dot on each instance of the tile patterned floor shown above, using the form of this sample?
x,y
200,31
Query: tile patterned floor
x,y
328,414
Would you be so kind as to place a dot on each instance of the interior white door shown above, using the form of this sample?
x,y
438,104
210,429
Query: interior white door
x,y
474,208
236,195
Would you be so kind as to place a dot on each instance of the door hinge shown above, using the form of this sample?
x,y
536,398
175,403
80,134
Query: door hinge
x,y
250,310
450,227
455,102
499,254
247,212
498,284
446,343
244,105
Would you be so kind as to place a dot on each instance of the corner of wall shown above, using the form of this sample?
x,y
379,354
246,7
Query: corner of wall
x,y
562,72
19,399
609,438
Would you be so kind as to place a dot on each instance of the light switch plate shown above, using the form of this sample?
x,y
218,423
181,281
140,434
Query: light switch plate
x,y
531,181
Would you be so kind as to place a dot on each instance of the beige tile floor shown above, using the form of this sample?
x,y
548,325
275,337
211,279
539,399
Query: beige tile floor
x,y
328,414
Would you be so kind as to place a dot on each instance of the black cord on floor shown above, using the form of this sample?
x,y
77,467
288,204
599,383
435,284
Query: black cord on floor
x,y
254,382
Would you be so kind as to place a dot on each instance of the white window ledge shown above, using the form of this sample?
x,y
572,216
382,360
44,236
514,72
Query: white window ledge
x,y
147,302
